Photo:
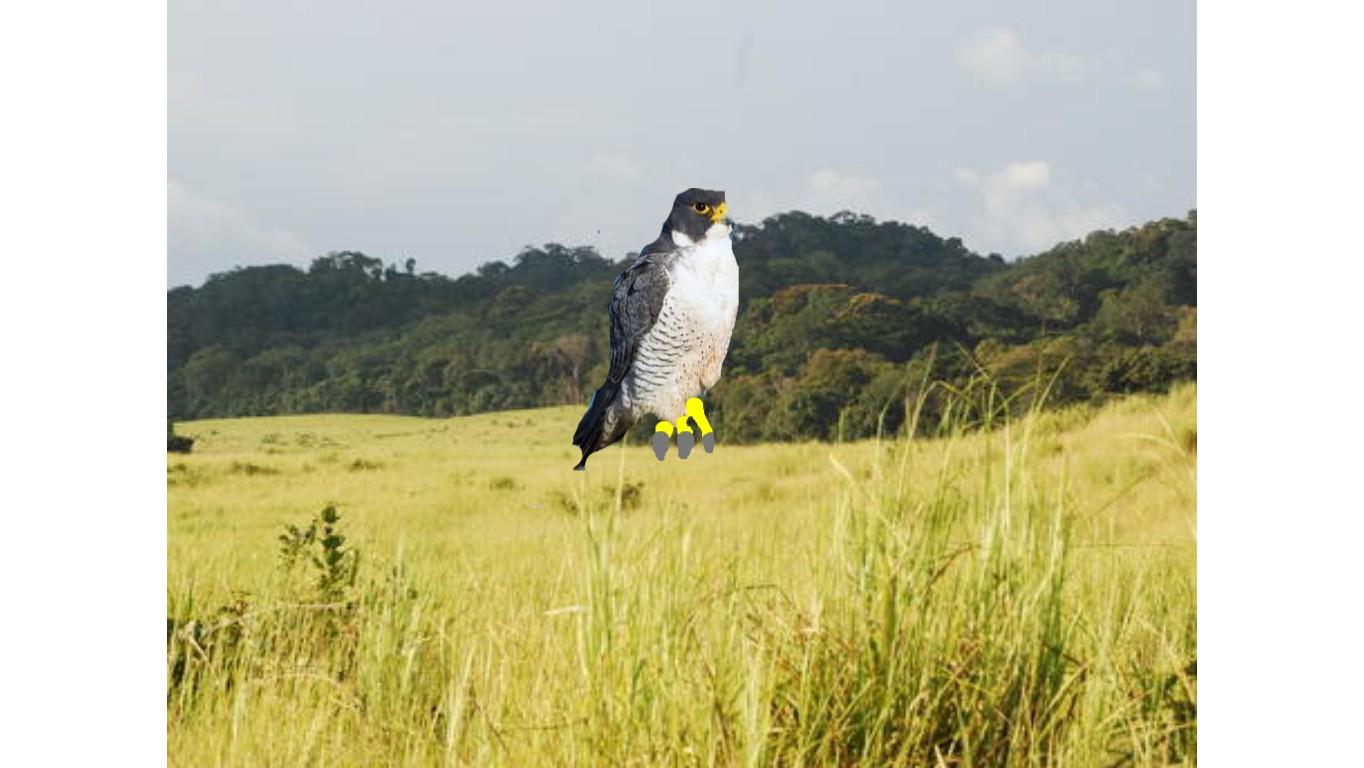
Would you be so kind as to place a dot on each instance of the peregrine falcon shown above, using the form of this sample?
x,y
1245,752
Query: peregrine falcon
x,y
672,313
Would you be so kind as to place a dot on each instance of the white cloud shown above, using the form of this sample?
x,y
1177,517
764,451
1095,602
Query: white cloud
x,y
207,236
1026,211
1148,79
832,191
998,57
1022,176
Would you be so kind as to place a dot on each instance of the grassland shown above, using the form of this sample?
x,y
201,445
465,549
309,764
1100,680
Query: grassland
x,y
1023,595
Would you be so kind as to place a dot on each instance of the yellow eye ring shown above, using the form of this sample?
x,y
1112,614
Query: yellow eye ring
x,y
701,208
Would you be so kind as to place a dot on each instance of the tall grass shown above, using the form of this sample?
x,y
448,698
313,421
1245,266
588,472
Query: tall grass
x,y
1019,591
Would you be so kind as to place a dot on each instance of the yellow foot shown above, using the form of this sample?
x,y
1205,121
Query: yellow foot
x,y
686,438
697,411
663,433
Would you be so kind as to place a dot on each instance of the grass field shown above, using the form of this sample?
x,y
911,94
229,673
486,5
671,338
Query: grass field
x,y
1023,595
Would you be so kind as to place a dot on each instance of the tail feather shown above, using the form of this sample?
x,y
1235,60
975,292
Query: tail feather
x,y
591,435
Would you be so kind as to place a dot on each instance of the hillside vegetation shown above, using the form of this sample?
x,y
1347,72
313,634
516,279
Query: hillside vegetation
x,y
840,315
390,590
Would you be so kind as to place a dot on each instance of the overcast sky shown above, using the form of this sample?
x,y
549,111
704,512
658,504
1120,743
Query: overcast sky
x,y
456,133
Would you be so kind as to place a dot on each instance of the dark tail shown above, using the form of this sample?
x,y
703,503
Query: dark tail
x,y
591,435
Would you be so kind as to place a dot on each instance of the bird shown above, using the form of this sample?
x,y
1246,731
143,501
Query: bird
x,y
672,315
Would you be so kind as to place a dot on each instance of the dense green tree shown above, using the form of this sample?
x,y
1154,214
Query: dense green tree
x,y
817,402
843,320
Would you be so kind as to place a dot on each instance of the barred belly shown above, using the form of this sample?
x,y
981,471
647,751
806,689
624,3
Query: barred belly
x,y
668,364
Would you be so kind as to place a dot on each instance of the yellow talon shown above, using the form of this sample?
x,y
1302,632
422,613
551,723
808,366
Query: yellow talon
x,y
697,411
665,427
686,438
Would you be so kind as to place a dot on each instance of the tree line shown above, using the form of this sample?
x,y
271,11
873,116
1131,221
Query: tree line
x,y
845,324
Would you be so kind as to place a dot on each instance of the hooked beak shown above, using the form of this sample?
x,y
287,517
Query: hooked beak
x,y
717,214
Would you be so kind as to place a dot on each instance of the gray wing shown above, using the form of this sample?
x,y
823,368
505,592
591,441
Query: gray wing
x,y
636,301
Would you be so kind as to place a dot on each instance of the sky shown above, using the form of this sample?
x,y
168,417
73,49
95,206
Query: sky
x,y
459,133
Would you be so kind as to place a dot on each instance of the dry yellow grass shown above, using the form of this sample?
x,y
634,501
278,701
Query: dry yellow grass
x,y
765,604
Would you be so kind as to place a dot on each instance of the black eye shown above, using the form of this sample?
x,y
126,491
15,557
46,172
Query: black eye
x,y
701,207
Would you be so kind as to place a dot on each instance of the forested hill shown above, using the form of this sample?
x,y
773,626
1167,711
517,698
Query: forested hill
x,y
841,319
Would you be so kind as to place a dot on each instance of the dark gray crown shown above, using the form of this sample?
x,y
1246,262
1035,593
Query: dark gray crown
x,y
691,215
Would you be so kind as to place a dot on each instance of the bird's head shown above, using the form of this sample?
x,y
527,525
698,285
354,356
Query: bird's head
x,y
697,215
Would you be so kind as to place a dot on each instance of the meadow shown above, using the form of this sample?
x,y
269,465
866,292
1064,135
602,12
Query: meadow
x,y
1017,593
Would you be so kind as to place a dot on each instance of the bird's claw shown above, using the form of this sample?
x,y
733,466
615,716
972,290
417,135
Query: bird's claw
x,y
686,435
685,441
660,443
696,410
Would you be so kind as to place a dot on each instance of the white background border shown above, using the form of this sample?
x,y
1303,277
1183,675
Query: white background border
x,y
82,302
1280,254
82,383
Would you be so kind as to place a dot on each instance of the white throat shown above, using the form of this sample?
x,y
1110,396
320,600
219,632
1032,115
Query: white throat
x,y
718,231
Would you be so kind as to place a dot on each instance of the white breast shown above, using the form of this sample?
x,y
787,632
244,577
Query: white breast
x,y
681,354
706,280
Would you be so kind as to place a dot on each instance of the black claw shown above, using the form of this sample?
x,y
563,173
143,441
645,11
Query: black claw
x,y
660,443
685,441
708,442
